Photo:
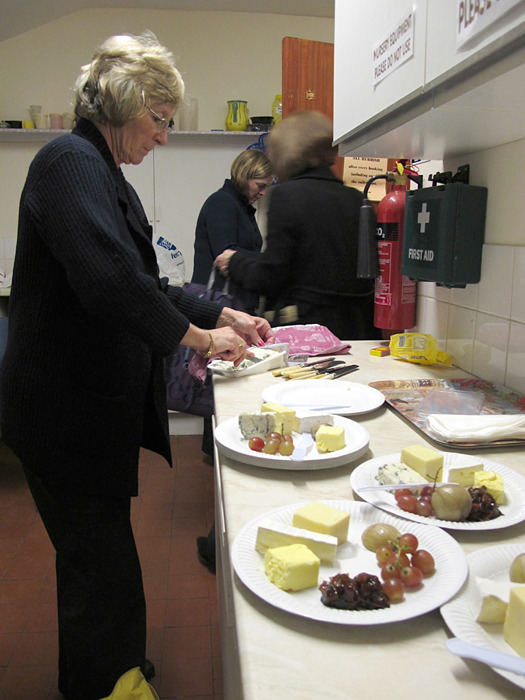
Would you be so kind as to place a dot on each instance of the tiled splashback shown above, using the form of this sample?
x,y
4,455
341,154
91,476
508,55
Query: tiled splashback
x,y
482,325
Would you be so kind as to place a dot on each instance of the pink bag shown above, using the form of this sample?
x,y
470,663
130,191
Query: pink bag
x,y
310,339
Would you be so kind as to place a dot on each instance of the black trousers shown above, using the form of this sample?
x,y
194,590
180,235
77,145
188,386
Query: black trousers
x,y
101,605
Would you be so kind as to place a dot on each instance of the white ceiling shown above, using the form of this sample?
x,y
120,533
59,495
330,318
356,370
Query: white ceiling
x,y
20,16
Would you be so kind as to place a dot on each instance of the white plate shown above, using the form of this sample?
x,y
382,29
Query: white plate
x,y
338,397
513,510
461,612
353,558
232,444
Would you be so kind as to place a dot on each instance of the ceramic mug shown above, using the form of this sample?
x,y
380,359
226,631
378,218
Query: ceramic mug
x,y
56,121
42,121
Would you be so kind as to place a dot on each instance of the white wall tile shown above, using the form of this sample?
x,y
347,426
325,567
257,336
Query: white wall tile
x,y
517,310
434,319
490,348
460,336
515,375
494,292
465,296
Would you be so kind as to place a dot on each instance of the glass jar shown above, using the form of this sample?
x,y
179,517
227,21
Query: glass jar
x,y
237,117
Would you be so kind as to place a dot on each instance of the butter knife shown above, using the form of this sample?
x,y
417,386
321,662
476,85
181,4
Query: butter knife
x,y
491,657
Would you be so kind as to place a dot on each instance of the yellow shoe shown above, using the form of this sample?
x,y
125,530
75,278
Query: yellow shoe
x,y
132,686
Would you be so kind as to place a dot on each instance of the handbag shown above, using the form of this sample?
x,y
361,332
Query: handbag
x,y
186,393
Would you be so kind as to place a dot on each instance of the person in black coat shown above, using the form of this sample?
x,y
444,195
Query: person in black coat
x,y
81,384
310,261
227,220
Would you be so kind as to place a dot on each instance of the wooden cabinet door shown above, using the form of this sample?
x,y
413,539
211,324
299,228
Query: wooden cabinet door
x,y
308,79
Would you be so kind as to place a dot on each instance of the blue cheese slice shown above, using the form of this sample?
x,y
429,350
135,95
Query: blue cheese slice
x,y
398,473
257,424
271,534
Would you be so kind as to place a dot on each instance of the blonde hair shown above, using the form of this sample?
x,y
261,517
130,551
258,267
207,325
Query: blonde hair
x,y
251,163
301,141
126,75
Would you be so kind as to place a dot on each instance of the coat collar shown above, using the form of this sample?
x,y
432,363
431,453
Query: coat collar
x,y
323,173
130,205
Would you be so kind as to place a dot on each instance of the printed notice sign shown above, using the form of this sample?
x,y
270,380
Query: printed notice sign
x,y
396,47
358,171
474,17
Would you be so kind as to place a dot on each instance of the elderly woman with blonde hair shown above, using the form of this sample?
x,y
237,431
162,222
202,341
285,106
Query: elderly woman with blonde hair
x,y
310,261
82,386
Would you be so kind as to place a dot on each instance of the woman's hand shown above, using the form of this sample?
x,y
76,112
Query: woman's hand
x,y
223,260
223,342
253,329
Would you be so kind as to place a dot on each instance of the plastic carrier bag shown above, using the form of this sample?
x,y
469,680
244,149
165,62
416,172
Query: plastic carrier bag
x,y
171,261
132,686
420,348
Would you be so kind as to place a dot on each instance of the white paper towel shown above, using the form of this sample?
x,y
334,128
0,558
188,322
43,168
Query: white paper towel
x,y
484,428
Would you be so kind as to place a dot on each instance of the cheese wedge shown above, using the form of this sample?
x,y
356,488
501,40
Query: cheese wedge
x,y
292,568
398,473
494,600
514,625
319,517
311,423
494,484
257,424
284,416
329,438
462,475
423,460
271,534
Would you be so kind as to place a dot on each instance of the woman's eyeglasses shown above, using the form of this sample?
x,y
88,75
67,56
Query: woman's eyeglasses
x,y
161,123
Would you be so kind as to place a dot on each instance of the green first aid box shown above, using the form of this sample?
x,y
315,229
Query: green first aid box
x,y
443,234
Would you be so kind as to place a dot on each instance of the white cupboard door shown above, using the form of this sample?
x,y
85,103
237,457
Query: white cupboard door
x,y
359,27
444,58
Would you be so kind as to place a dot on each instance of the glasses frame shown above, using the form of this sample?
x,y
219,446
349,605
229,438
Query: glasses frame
x,y
161,123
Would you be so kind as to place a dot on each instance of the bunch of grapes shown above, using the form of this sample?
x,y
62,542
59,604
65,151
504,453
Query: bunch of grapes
x,y
273,444
403,566
410,503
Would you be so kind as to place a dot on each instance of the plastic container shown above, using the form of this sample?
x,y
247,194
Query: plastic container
x,y
277,109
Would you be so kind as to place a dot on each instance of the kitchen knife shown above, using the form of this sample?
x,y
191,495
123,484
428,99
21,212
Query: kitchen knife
x,y
340,371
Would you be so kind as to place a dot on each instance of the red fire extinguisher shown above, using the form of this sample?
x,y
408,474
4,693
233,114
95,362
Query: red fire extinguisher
x,y
395,294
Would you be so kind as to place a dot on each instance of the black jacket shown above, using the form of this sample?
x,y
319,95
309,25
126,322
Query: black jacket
x,y
81,385
226,220
311,255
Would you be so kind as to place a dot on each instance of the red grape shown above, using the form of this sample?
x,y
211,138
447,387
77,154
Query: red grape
x,y
424,561
408,542
256,444
394,589
407,503
402,492
411,576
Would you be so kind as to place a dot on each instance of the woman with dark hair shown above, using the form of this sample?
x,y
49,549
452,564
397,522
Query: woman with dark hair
x,y
310,261
82,385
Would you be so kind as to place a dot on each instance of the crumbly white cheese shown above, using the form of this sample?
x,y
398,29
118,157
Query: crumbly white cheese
x,y
309,423
398,473
272,534
257,424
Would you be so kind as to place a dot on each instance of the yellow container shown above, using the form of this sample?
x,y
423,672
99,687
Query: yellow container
x,y
237,117
277,109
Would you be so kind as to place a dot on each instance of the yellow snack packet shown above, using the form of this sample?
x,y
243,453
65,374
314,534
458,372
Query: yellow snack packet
x,y
420,348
